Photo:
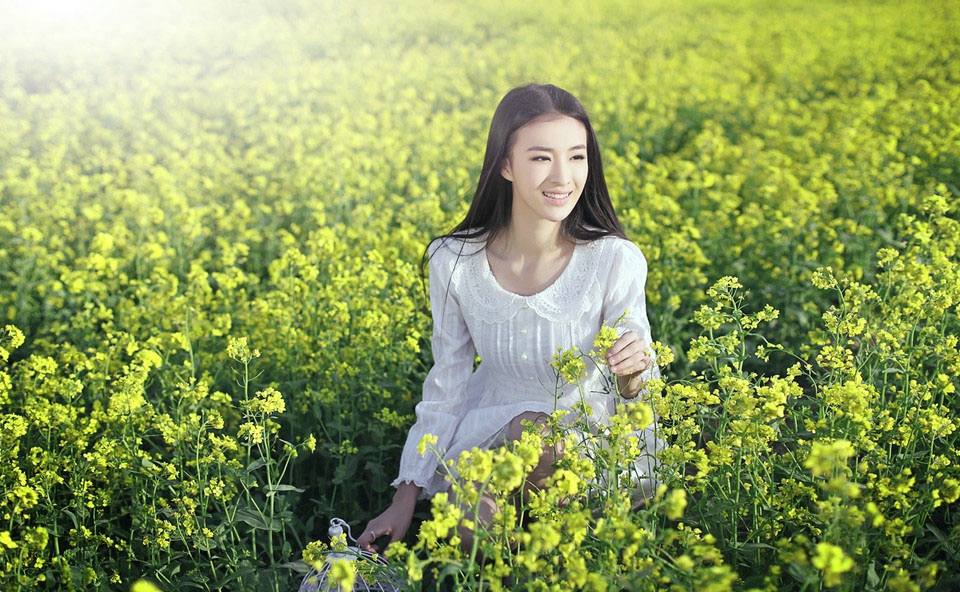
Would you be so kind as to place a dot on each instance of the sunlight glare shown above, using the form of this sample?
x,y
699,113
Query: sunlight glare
x,y
65,9
63,25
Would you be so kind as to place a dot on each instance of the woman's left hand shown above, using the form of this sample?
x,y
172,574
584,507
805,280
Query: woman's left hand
x,y
628,358
629,355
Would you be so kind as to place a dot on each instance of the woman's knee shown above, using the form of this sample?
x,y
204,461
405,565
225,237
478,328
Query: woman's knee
x,y
480,516
519,423
551,453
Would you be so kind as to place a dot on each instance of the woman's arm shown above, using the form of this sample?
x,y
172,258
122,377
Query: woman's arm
x,y
630,357
444,390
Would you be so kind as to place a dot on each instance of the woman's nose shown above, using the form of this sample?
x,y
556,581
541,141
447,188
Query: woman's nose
x,y
560,173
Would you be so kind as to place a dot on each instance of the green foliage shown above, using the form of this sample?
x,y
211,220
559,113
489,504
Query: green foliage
x,y
214,327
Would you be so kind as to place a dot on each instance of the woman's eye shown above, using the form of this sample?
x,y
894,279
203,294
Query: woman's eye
x,y
541,158
579,157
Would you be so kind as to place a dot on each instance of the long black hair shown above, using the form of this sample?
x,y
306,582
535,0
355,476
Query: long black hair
x,y
593,216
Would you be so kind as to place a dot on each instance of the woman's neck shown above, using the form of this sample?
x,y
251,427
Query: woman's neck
x,y
531,243
528,262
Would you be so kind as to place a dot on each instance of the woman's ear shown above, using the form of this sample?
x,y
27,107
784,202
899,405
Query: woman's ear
x,y
505,171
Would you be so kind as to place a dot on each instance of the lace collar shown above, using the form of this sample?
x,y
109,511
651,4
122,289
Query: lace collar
x,y
566,299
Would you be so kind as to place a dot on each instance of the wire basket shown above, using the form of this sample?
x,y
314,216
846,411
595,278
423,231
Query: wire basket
x,y
373,573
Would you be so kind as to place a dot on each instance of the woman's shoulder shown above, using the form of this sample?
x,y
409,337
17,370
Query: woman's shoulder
x,y
459,244
618,249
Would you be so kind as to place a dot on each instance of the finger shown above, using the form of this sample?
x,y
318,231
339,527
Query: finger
x,y
615,353
379,535
625,349
638,362
366,539
623,341
627,369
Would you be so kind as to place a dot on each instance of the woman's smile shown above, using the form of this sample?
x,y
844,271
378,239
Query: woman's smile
x,y
557,196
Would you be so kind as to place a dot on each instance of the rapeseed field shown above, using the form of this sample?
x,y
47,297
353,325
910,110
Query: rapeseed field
x,y
213,323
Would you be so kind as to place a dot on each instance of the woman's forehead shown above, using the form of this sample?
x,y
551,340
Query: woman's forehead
x,y
552,131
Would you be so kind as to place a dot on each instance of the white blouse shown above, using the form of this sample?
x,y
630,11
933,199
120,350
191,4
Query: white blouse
x,y
516,338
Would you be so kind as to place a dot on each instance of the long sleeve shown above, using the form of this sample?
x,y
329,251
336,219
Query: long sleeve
x,y
445,388
625,293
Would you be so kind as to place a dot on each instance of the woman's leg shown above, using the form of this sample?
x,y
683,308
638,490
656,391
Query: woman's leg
x,y
536,480
549,455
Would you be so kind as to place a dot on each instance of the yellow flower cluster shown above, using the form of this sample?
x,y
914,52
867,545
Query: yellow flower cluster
x,y
570,365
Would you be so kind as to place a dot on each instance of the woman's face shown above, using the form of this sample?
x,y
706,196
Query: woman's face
x,y
547,165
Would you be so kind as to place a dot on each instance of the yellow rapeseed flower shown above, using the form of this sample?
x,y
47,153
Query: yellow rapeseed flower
x,y
342,573
604,340
675,503
428,440
833,562
569,365
251,433
827,457
14,338
239,349
270,401
6,540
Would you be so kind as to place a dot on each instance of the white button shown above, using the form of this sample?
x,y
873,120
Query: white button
x,y
523,356
531,377
523,331
525,307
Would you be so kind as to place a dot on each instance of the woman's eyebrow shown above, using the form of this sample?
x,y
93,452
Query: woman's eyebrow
x,y
545,149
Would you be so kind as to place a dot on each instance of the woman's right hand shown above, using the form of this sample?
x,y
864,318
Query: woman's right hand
x,y
394,521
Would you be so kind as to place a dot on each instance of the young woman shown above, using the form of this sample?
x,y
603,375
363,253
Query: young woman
x,y
539,262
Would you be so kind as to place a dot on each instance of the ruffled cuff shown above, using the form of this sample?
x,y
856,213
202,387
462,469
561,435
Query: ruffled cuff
x,y
421,469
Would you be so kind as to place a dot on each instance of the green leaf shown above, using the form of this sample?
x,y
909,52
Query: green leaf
x,y
257,521
259,463
274,489
346,470
205,544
